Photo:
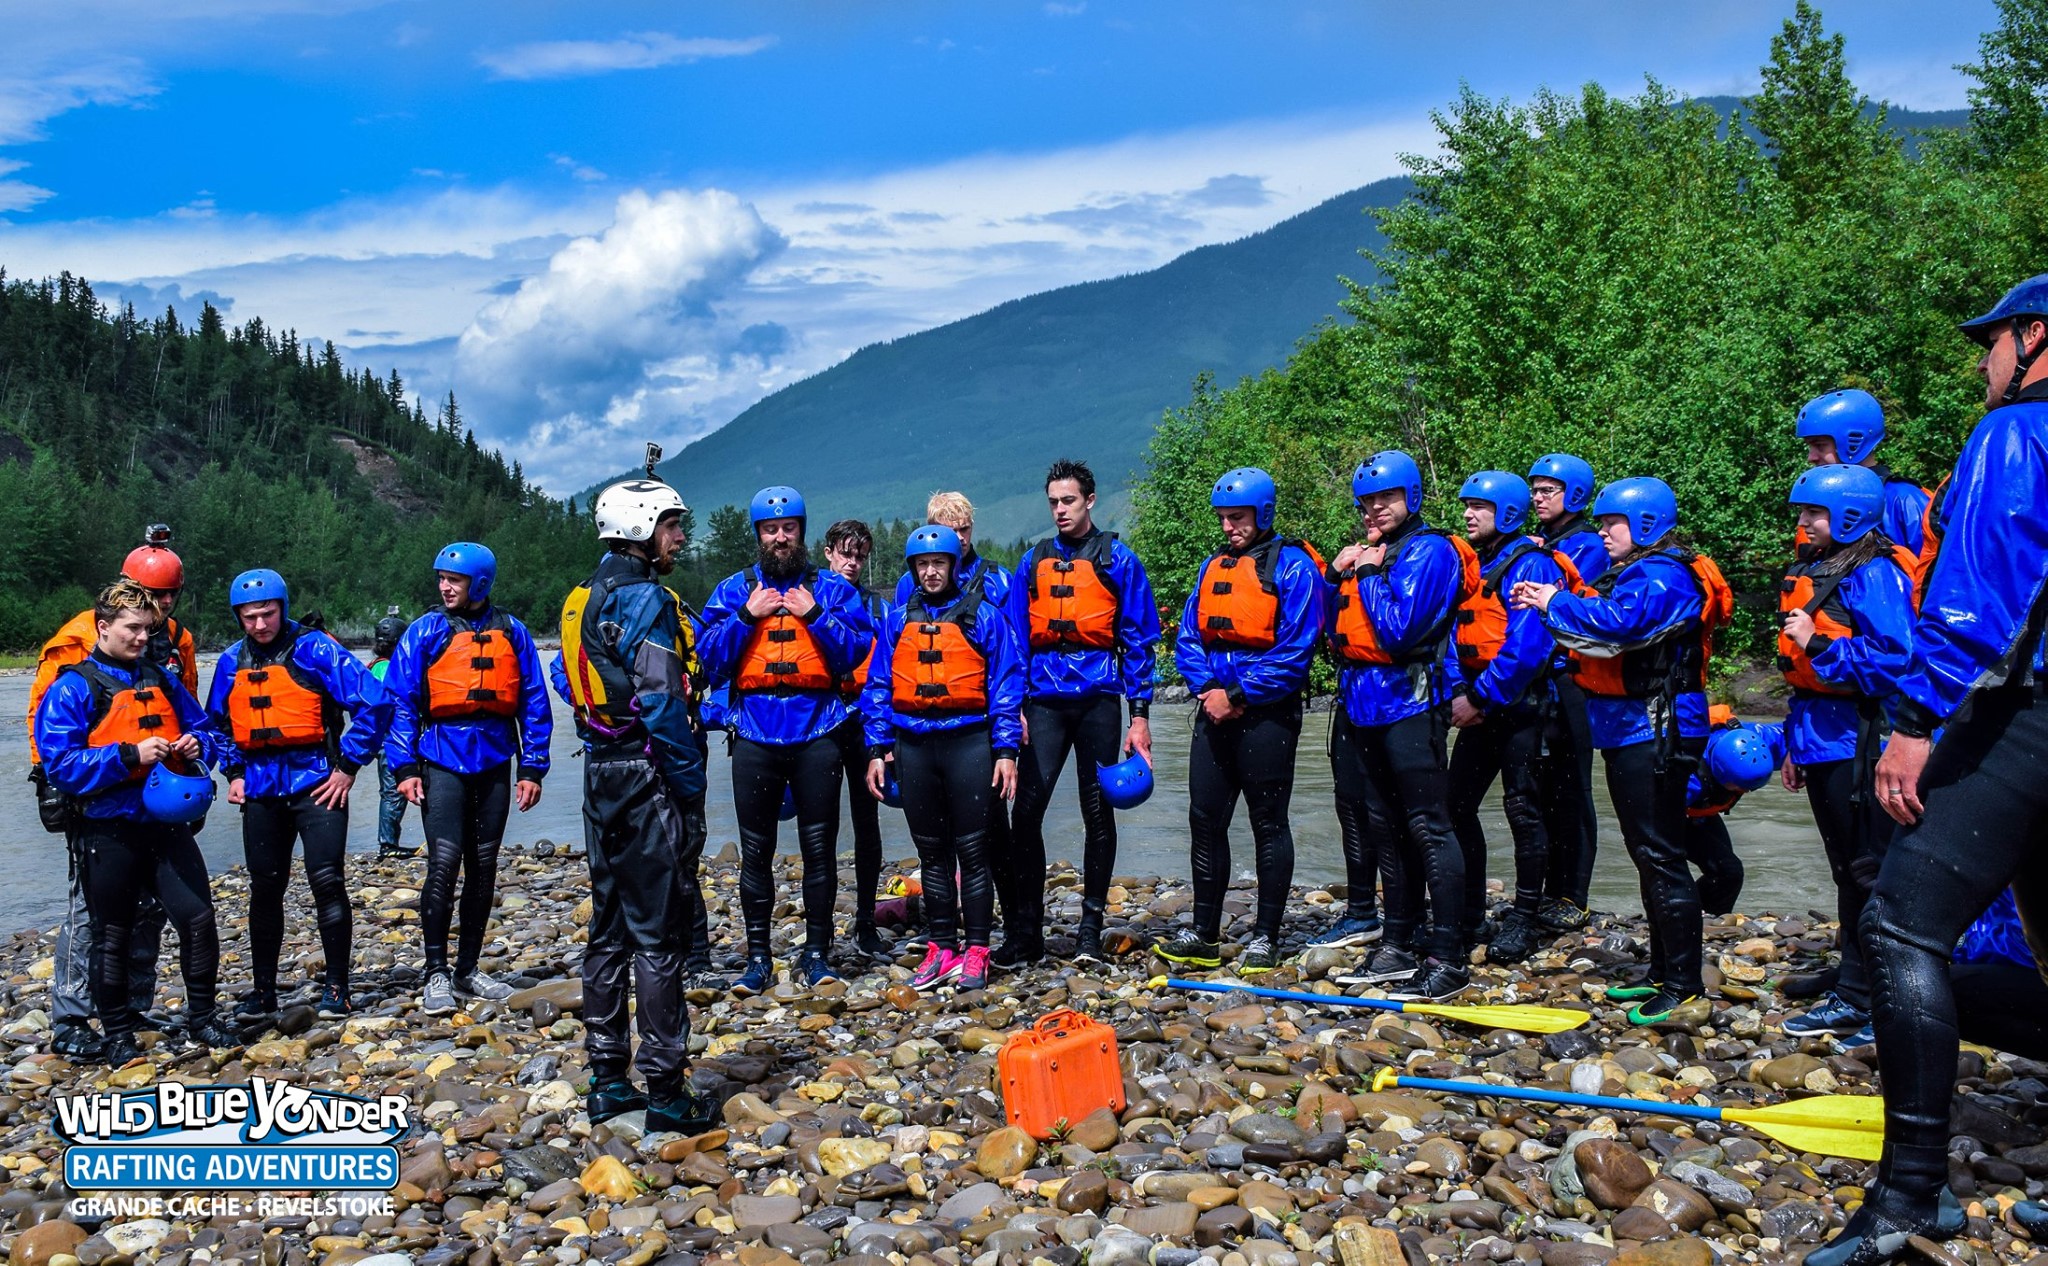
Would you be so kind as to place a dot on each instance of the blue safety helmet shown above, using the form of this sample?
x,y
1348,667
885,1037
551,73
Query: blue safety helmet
x,y
169,796
1648,504
467,558
2028,299
1853,496
778,502
1853,419
1247,486
788,802
892,791
1575,473
1507,493
1739,758
1126,784
932,538
259,585
1385,470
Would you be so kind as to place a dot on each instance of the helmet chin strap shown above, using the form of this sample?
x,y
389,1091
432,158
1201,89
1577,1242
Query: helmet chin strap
x,y
2022,359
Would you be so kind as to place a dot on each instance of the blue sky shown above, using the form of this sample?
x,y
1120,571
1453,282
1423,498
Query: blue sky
x,y
606,222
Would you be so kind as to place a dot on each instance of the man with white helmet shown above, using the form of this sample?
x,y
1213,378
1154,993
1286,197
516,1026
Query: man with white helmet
x,y
625,668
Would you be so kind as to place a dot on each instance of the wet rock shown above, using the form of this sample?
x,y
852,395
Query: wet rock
x,y
1441,1158
843,1156
1684,1251
970,1204
45,1240
1611,1172
1788,1072
1098,1131
753,1213
1680,1205
1224,1224
1005,1153
1086,1192
1263,1127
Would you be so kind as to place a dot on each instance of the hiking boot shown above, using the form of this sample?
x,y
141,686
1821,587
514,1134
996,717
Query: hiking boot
x,y
75,1041
334,1003
1876,1234
397,852
1658,1007
1347,932
481,985
438,998
1832,1014
213,1032
259,1004
612,1099
868,941
814,969
939,966
682,1113
1517,938
1435,981
1258,956
974,968
1389,964
760,973
120,1050
1088,945
1188,948
1562,914
1012,953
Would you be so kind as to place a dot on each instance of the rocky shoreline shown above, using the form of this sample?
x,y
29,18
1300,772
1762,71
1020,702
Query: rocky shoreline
x,y
863,1122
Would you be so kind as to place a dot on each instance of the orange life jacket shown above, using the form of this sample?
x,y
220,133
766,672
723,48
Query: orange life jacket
x,y
171,650
274,703
1804,589
782,653
852,683
1930,541
1482,627
1355,639
1073,603
935,667
1675,662
124,712
476,674
1238,602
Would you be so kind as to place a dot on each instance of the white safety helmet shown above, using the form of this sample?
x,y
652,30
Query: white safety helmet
x,y
628,511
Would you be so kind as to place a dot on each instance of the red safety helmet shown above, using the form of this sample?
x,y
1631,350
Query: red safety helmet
x,y
154,567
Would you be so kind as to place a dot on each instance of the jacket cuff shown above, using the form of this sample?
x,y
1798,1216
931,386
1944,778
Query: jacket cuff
x,y
232,772
411,769
527,773
745,616
347,766
1006,753
131,757
811,616
1207,686
1914,720
1817,645
1141,709
880,751
1237,696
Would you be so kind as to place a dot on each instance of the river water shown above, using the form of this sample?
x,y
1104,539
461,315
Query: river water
x,y
1772,828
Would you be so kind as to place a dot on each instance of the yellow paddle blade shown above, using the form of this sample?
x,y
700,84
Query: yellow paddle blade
x,y
1832,1125
1522,1019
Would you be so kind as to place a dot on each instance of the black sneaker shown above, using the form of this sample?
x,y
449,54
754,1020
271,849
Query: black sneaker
x,y
1189,949
259,1004
1389,964
1009,956
1258,957
334,1003
1436,981
868,941
1518,937
1561,914
75,1041
120,1050
612,1099
397,852
214,1032
1088,945
684,1113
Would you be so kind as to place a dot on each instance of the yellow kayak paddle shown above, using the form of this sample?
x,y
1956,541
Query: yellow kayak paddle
x,y
1522,1019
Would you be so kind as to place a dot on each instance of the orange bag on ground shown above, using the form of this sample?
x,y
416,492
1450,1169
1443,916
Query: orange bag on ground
x,y
1058,1071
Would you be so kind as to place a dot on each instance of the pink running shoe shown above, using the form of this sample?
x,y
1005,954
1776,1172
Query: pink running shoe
x,y
939,966
974,968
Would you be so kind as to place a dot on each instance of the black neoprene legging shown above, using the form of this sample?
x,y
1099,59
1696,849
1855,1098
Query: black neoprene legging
x,y
120,861
271,825
1250,756
1363,830
464,818
1986,810
1504,745
1407,777
864,813
1650,807
946,796
1565,775
1090,727
812,770
1847,830
1708,847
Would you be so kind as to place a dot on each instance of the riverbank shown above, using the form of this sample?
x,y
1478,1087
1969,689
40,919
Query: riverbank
x,y
865,1121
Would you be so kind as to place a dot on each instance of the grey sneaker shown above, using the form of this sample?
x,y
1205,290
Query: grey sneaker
x,y
438,998
1259,956
481,985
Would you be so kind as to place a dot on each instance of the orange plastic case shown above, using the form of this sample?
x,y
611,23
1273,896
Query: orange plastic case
x,y
1059,1070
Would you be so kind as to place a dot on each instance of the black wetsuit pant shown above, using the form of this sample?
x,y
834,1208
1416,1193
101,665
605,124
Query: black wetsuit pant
x,y
760,772
1708,847
1367,837
945,776
1565,775
464,818
1090,727
1986,813
1505,744
1407,782
120,862
643,899
271,825
864,814
1251,756
1650,807
1851,825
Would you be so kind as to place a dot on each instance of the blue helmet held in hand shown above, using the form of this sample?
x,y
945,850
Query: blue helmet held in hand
x,y
1126,784
1247,487
1648,504
259,585
1739,758
467,558
892,791
1853,496
1852,420
1389,469
788,802
1575,473
1507,493
778,502
169,796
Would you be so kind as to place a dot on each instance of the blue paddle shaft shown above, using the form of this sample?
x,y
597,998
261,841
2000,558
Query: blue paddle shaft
x,y
1481,1090
1288,995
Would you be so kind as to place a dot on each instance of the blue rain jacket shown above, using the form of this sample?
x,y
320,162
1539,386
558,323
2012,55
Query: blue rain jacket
x,y
654,646
1578,540
1986,583
1412,601
785,718
1126,668
98,776
992,634
342,678
1904,503
1821,728
468,746
1653,596
1263,676
1529,650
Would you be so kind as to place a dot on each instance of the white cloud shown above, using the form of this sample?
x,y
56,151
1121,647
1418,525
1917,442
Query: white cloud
x,y
1053,9
18,195
645,50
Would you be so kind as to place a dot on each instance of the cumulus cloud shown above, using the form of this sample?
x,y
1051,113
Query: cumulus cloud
x,y
645,50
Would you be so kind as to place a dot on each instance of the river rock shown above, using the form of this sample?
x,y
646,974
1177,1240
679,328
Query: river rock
x,y
1098,1131
1263,1127
1611,1172
1683,1251
1788,1072
1005,1153
1086,1192
753,1213
45,1240
843,1156
1680,1205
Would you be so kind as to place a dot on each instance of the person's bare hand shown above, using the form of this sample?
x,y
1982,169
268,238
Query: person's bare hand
x,y
414,791
332,793
1899,772
1799,627
799,602
1005,778
1464,713
763,602
526,794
